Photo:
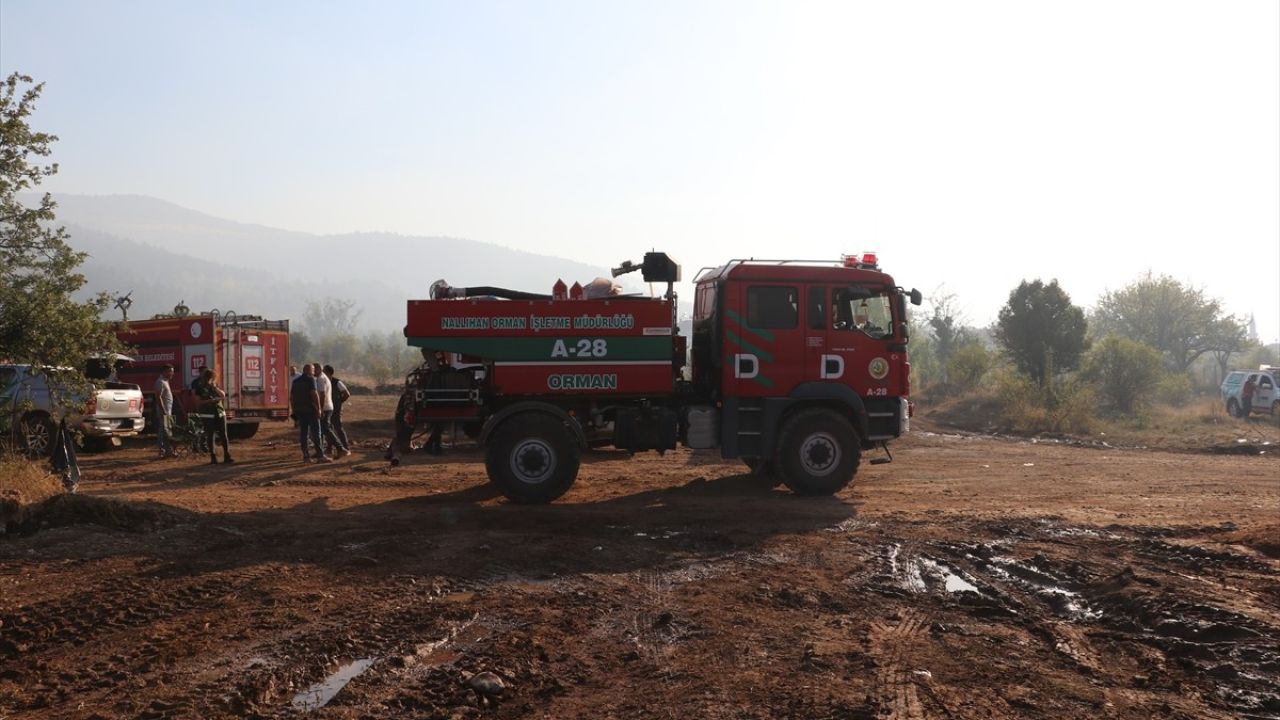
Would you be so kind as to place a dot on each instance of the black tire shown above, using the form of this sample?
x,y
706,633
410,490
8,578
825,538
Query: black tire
x,y
818,453
242,431
532,459
1233,408
36,433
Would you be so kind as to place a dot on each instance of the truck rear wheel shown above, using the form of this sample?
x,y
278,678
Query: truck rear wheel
x,y
532,459
1233,408
242,431
818,453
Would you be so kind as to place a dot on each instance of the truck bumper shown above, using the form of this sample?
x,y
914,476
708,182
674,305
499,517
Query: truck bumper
x,y
112,427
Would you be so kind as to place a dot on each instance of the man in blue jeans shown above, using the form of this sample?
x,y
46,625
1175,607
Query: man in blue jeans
x,y
305,399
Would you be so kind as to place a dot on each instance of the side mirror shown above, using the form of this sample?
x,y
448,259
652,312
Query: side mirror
x,y
916,297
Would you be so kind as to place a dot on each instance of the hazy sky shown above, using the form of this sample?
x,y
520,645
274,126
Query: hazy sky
x,y
972,144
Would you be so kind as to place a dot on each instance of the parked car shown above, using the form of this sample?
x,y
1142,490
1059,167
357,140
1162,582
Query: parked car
x,y
1265,396
32,403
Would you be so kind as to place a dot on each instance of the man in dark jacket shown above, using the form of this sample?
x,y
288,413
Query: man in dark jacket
x,y
305,399
341,393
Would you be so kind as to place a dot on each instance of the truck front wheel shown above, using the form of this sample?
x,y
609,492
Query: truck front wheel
x,y
818,453
532,459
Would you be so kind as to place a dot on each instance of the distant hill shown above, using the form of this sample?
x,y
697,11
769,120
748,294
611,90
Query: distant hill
x,y
165,253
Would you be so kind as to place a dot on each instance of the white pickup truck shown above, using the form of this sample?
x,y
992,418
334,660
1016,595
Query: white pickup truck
x,y
32,403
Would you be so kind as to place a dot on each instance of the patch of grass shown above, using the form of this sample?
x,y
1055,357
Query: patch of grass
x,y
24,485
1015,407
30,480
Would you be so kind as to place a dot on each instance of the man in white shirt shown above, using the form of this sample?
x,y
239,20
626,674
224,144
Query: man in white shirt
x,y
164,410
325,388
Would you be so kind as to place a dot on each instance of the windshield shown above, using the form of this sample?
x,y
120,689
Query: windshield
x,y
872,316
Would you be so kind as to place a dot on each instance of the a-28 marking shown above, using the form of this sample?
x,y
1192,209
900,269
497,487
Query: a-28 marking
x,y
585,347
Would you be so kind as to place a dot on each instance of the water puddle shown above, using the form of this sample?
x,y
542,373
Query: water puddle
x,y
951,581
917,574
1063,601
319,695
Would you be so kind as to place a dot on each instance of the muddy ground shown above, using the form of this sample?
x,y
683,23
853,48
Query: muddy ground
x,y
974,577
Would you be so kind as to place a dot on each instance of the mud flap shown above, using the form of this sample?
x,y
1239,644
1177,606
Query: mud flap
x,y
883,460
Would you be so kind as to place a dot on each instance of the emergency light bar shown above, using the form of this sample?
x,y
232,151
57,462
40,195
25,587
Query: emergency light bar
x,y
867,261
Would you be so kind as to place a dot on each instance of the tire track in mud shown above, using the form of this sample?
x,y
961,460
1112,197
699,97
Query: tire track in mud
x,y
279,650
89,645
896,690
86,616
1096,590
1233,655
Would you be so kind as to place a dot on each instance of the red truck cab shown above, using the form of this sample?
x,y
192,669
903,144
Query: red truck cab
x,y
773,336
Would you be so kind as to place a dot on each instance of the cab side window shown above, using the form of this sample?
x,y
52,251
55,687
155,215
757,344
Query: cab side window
x,y
1264,382
705,302
869,315
775,308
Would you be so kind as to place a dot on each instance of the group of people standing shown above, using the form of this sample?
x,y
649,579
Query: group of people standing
x,y
315,395
317,398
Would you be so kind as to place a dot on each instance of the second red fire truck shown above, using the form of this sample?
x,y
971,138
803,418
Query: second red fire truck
x,y
249,356
796,367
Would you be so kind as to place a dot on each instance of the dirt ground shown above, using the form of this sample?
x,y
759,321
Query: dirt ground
x,y
974,577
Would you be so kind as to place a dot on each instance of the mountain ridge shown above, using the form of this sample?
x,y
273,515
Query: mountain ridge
x,y
165,253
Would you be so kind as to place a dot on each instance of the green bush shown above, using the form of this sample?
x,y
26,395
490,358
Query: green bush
x,y
1125,373
1175,389
1067,406
968,365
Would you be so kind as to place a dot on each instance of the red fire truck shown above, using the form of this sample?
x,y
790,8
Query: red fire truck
x,y
249,355
797,367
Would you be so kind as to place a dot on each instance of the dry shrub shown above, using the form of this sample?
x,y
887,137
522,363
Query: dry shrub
x,y
29,479
1068,407
23,485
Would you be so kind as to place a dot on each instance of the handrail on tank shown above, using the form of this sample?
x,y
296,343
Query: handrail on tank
x,y
761,261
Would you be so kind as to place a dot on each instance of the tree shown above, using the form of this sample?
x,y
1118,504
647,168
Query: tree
x,y
299,347
967,365
330,317
387,357
1126,372
1041,330
40,323
1228,337
1176,319
947,323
